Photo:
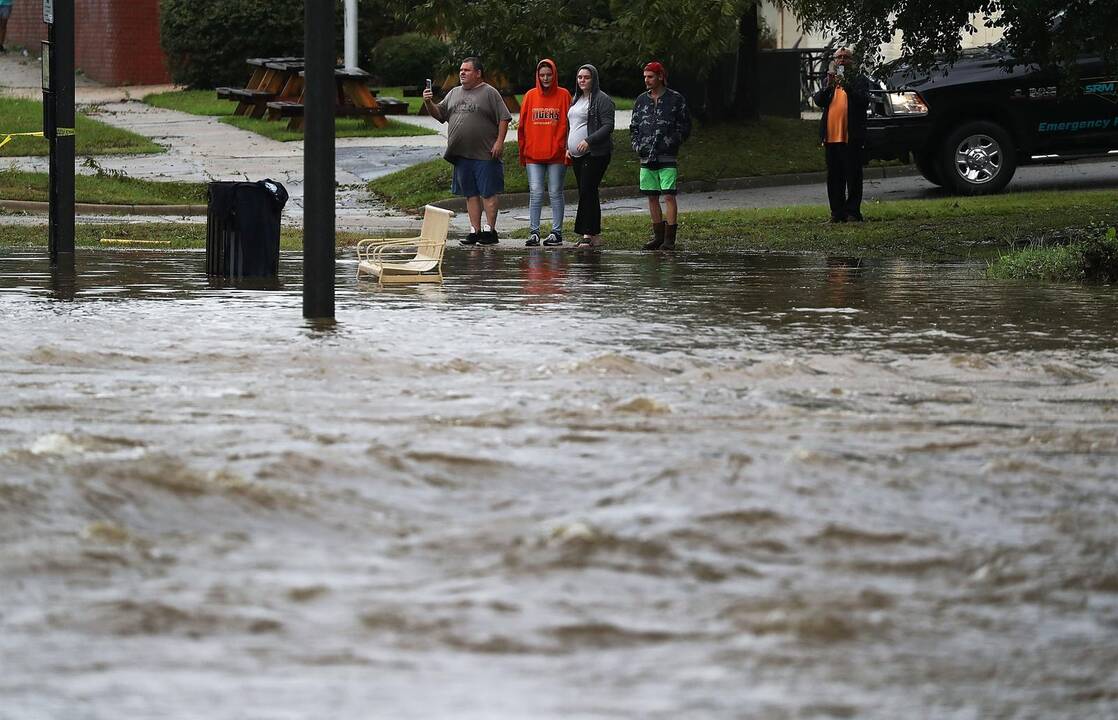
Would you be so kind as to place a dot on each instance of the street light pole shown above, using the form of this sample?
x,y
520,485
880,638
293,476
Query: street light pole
x,y
320,97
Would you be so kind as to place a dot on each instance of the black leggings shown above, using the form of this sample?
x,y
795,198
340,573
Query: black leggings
x,y
589,170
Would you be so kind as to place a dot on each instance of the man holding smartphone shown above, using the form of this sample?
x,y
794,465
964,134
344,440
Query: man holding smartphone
x,y
842,131
477,123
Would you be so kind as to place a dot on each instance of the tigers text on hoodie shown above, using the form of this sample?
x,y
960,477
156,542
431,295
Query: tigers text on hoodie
x,y
542,132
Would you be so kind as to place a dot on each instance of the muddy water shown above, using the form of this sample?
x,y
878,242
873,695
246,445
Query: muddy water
x,y
558,486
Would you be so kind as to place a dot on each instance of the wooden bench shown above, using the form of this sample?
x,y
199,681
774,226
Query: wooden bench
x,y
294,111
392,106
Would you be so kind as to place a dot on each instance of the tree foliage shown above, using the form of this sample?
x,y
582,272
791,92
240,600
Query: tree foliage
x,y
689,36
1043,32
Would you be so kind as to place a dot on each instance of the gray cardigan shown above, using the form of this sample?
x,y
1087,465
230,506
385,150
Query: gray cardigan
x,y
599,121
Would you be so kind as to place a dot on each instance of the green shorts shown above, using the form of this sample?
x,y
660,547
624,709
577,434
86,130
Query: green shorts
x,y
658,182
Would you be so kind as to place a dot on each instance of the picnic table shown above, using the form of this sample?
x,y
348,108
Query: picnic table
x,y
275,90
354,99
270,79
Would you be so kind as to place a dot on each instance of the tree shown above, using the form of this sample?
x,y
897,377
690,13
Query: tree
x,y
1045,33
698,40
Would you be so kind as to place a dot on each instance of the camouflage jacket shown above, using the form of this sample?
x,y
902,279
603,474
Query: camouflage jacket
x,y
659,127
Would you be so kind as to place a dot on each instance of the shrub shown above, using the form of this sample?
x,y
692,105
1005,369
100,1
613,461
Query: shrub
x,y
409,58
1092,256
208,41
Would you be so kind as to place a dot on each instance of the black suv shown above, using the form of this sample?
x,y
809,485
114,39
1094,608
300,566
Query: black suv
x,y
968,130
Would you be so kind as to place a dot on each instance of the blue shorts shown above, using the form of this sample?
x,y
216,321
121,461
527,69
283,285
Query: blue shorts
x,y
5,12
473,178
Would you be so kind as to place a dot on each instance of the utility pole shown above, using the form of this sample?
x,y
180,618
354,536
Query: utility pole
x,y
320,97
58,127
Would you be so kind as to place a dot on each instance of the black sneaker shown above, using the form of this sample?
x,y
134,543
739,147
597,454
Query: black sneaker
x,y
487,237
533,240
471,239
553,238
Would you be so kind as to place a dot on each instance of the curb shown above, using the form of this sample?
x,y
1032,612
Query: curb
x,y
618,192
35,206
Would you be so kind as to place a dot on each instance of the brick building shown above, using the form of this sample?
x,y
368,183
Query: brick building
x,y
116,41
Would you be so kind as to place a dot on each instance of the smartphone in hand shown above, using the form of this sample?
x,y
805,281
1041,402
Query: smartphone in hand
x,y
428,85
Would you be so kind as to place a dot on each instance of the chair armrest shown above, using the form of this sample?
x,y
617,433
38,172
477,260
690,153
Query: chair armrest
x,y
396,250
364,247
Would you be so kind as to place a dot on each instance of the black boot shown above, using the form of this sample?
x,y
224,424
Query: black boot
x,y
657,236
669,237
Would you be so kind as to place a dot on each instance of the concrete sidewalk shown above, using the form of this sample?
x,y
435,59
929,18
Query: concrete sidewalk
x,y
202,149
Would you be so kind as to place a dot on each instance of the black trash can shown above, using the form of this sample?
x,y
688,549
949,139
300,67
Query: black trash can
x,y
243,228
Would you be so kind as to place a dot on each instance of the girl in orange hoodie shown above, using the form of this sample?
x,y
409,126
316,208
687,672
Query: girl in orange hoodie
x,y
542,136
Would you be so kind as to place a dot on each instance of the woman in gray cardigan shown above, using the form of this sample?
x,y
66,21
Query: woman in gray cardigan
x,y
590,147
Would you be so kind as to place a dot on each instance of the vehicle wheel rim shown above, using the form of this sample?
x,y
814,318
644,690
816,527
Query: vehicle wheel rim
x,y
978,159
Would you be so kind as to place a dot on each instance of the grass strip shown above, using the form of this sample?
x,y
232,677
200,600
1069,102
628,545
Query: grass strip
x,y
91,137
105,188
936,229
941,228
206,102
195,102
771,146
180,236
343,128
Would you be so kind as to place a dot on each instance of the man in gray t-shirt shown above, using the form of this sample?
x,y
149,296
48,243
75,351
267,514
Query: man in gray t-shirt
x,y
478,121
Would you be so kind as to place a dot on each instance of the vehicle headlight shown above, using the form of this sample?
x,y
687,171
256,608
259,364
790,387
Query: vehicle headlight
x,y
907,103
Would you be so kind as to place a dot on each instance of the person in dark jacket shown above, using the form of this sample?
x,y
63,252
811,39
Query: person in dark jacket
x,y
660,124
842,131
590,148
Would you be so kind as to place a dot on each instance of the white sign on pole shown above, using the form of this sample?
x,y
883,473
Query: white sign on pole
x,y
48,12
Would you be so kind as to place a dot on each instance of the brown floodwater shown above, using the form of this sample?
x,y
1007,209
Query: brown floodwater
x,y
561,485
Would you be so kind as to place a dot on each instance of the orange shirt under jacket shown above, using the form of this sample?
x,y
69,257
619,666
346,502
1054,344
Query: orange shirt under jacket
x,y
836,118
542,132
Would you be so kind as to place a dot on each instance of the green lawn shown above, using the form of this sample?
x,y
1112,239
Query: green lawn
x,y
206,102
92,137
770,146
941,228
195,102
105,188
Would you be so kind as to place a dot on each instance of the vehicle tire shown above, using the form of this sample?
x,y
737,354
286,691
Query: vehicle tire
x,y
926,164
977,159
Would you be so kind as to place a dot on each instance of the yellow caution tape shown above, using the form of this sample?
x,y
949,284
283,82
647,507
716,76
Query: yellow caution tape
x,y
7,139
64,132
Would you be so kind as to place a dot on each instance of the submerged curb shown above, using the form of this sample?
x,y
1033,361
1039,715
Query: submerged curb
x,y
35,206
617,192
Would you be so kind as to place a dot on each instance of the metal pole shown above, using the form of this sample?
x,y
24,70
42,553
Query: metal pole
x,y
320,97
351,34
60,130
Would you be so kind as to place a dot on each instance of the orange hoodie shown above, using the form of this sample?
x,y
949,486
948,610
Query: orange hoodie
x,y
542,132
